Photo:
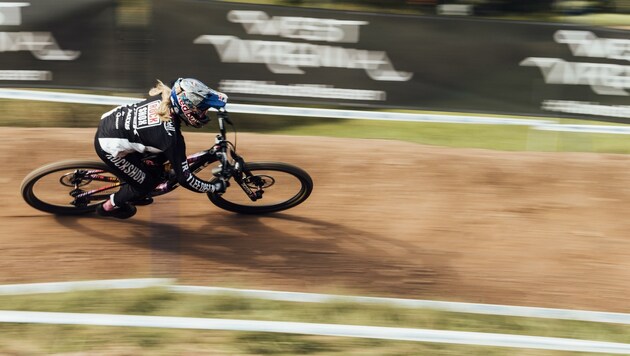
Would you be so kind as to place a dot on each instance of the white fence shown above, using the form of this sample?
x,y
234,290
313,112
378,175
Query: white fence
x,y
390,333
547,125
371,332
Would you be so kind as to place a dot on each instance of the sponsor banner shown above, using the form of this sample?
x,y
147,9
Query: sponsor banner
x,y
288,55
284,55
62,43
590,74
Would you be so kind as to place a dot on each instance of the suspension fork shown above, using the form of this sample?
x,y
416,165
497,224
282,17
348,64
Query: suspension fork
x,y
244,177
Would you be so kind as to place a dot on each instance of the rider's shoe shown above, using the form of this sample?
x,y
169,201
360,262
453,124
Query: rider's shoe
x,y
125,211
142,201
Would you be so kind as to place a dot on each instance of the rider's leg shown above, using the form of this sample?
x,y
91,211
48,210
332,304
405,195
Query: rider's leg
x,y
140,180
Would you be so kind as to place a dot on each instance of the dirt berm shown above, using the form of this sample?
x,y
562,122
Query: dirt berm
x,y
385,219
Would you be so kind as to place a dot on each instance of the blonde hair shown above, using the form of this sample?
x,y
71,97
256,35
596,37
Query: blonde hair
x,y
164,111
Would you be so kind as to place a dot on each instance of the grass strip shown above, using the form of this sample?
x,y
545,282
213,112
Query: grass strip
x,y
50,339
494,137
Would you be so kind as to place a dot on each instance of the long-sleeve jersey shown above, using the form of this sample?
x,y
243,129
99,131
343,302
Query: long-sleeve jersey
x,y
138,128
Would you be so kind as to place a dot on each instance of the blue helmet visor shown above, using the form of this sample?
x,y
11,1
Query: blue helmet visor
x,y
212,99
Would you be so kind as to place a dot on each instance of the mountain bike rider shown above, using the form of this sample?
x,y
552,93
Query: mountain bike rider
x,y
129,132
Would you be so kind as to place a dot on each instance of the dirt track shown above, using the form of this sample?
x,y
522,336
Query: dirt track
x,y
385,219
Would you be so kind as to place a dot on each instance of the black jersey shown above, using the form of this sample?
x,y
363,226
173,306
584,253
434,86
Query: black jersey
x,y
138,128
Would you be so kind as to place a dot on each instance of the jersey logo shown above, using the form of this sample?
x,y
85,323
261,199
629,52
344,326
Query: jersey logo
x,y
154,119
168,126
147,115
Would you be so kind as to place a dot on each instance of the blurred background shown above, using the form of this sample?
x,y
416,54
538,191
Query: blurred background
x,y
461,206
513,8
536,58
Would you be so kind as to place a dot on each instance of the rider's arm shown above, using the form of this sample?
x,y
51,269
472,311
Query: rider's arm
x,y
177,155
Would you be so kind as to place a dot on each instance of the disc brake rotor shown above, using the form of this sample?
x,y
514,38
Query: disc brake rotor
x,y
71,180
260,181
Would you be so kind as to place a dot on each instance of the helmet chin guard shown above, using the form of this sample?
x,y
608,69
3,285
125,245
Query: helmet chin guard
x,y
191,99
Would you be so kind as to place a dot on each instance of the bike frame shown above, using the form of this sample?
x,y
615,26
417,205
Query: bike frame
x,y
233,168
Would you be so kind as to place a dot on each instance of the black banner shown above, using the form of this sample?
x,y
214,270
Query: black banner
x,y
277,55
282,54
65,43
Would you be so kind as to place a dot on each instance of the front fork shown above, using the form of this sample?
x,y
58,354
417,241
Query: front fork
x,y
252,194
246,180
236,171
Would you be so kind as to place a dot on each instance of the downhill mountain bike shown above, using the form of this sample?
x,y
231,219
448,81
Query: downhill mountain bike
x,y
76,187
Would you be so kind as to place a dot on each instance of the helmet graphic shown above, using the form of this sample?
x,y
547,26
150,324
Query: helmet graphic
x,y
191,99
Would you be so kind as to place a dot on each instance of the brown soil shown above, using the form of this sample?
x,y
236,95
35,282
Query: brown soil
x,y
385,219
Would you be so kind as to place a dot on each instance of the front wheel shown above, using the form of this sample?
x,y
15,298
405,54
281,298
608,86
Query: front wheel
x,y
280,186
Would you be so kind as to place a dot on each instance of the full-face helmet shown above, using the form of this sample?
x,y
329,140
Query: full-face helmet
x,y
191,100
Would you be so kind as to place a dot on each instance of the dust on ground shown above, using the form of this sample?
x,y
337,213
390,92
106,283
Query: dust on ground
x,y
386,218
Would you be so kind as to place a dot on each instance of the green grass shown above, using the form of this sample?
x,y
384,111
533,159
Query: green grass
x,y
32,339
481,136
495,137
610,20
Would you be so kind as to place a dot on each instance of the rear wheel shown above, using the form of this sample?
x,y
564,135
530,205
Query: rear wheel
x,y
281,186
62,187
